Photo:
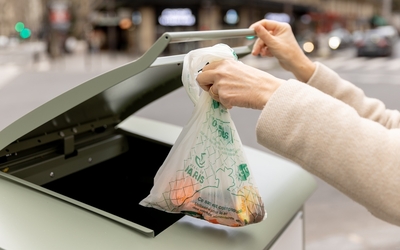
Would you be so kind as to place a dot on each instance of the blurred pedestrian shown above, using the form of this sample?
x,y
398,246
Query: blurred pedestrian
x,y
322,122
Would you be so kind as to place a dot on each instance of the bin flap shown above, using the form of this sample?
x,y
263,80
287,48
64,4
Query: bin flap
x,y
108,98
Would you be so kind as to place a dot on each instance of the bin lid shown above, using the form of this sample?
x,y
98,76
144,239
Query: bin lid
x,y
106,99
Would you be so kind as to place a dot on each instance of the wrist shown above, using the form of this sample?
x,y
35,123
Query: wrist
x,y
272,87
304,70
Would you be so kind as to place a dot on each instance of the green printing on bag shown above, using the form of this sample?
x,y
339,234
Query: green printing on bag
x,y
243,172
200,160
215,104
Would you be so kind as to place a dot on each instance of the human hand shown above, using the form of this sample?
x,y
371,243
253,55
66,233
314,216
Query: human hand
x,y
277,39
233,83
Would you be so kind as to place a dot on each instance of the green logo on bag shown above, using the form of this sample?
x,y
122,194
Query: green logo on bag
x,y
215,104
224,134
243,172
200,161
223,129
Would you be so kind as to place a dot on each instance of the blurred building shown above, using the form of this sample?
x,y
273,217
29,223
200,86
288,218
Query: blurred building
x,y
134,25
150,18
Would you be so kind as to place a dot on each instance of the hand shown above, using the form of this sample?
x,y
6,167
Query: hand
x,y
276,39
233,83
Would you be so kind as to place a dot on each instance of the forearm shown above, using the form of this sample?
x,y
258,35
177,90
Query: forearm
x,y
329,139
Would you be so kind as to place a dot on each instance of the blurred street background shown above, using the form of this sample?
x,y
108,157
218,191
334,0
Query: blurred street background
x,y
74,40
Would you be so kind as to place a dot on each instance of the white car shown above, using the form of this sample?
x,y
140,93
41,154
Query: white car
x,y
389,31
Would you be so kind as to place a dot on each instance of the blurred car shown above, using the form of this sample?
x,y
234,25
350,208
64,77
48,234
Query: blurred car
x,y
357,36
308,41
76,161
375,43
339,38
389,31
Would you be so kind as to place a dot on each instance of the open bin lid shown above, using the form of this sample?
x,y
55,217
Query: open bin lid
x,y
117,93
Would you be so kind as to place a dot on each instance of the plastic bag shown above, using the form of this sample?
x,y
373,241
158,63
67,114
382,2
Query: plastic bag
x,y
206,174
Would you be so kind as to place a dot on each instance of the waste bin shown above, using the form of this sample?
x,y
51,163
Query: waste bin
x,y
75,164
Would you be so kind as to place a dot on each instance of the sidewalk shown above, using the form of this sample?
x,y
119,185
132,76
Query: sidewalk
x,y
33,56
99,62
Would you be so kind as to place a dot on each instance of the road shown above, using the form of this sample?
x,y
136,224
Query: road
x,y
333,221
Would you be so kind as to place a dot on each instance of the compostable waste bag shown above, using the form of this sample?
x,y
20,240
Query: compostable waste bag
x,y
206,174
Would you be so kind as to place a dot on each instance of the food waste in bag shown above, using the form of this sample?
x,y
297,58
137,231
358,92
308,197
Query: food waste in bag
x,y
206,174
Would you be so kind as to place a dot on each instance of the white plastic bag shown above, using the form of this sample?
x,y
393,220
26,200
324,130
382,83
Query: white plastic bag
x,y
206,174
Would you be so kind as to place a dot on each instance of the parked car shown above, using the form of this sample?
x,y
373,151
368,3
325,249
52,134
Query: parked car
x,y
339,38
76,161
390,32
308,41
357,36
375,43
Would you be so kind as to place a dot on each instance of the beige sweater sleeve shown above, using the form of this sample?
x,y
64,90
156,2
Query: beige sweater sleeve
x,y
336,133
330,83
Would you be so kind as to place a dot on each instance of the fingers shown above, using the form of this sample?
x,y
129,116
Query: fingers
x,y
267,24
264,38
213,93
271,35
265,52
206,80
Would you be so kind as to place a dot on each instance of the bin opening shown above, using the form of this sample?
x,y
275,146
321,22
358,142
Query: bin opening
x,y
118,185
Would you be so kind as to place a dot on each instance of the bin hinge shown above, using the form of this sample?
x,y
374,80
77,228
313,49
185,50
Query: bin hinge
x,y
69,145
